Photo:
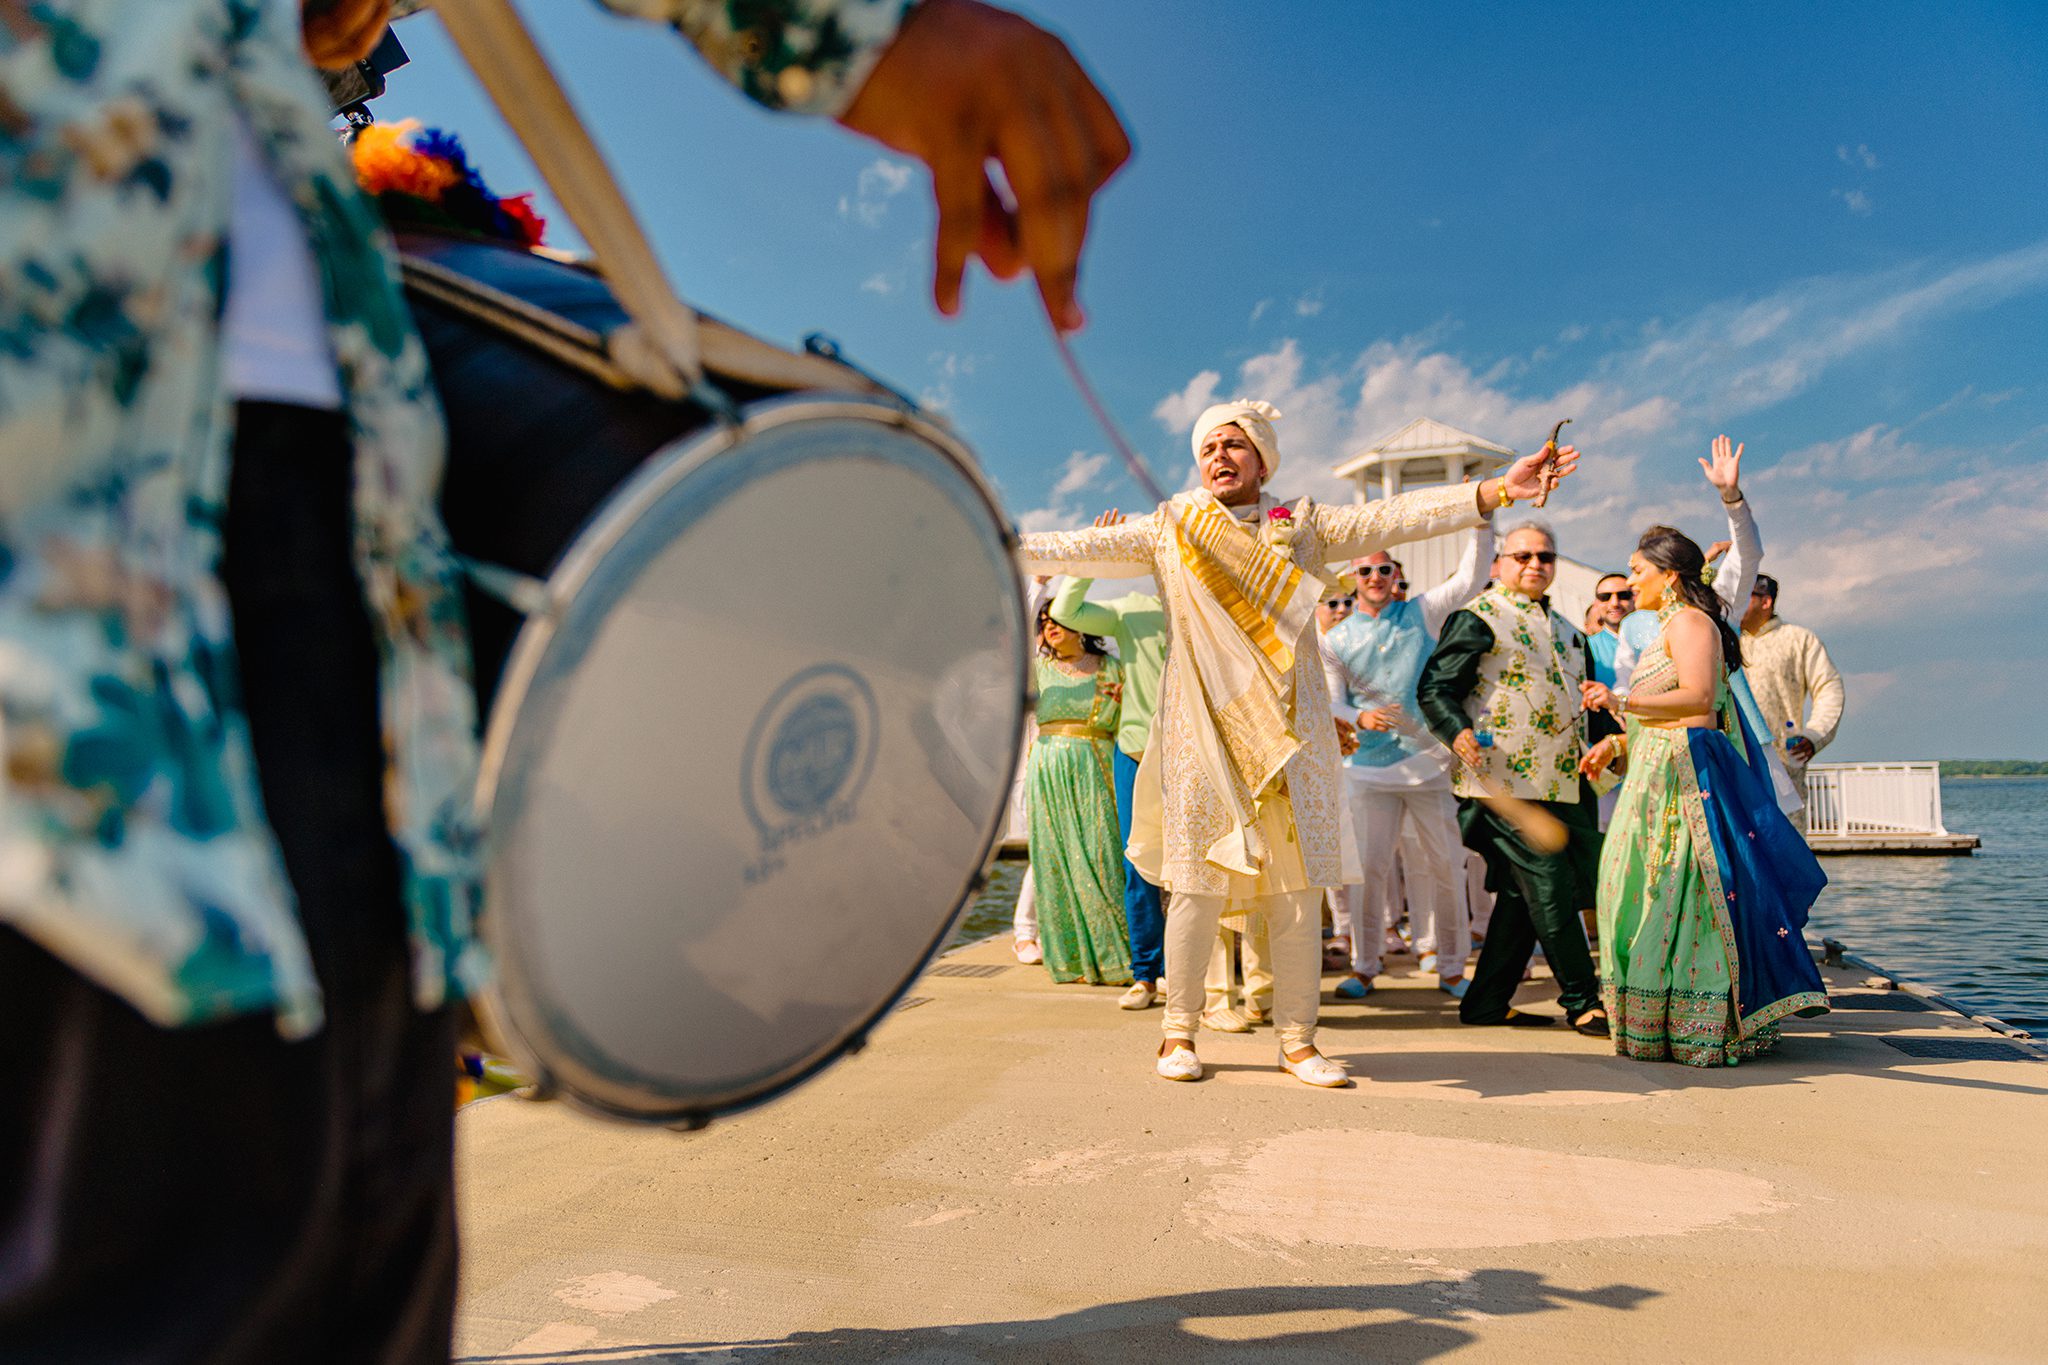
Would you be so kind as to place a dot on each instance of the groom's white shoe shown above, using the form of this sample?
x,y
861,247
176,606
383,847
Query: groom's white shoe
x,y
1315,1069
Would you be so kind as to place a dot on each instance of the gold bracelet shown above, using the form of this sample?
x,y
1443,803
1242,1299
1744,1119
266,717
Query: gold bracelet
x,y
1506,498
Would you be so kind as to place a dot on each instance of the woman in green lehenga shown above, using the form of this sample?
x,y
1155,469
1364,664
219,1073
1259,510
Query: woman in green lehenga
x,y
1704,884
1077,857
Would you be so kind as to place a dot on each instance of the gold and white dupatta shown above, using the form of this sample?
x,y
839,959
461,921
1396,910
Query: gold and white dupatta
x,y
1246,602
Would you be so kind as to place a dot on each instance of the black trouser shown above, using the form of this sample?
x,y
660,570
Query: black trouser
x,y
1537,899
214,1193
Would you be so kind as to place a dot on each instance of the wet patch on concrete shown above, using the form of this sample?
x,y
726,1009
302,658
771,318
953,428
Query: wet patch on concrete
x,y
1350,1188
611,1293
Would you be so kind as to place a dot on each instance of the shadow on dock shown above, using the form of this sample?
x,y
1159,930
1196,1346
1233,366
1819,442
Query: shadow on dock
x,y
1409,1322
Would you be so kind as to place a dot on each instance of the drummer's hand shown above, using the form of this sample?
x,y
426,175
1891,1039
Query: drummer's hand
x,y
1113,517
964,84
342,31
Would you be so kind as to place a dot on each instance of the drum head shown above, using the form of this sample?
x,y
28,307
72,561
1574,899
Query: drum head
x,y
742,777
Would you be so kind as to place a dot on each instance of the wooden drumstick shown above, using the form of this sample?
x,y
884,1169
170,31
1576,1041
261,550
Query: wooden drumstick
x,y
1545,472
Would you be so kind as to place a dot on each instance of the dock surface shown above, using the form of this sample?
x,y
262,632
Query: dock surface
x,y
1000,1177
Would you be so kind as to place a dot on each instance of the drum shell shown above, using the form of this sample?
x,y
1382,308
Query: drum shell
x,y
534,446
546,465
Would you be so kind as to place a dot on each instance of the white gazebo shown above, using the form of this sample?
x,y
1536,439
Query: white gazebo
x,y
1423,453
1426,453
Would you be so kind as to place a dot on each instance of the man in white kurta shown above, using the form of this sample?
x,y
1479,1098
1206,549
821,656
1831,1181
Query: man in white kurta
x,y
1248,803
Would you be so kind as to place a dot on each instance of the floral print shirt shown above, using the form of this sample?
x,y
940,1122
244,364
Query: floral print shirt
x,y
132,842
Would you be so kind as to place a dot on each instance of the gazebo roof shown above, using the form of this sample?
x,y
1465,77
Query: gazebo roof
x,y
1421,438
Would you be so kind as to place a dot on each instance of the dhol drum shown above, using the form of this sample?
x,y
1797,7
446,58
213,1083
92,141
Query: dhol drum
x,y
750,729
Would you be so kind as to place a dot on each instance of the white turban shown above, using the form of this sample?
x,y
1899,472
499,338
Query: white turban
x,y
1250,415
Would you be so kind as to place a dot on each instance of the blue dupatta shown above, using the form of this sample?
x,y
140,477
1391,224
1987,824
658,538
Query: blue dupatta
x,y
1768,875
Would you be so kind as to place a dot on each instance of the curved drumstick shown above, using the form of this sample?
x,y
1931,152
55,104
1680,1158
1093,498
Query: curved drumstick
x,y
1132,462
1545,471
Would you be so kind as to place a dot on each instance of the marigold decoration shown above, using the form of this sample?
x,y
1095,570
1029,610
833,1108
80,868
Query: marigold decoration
x,y
421,177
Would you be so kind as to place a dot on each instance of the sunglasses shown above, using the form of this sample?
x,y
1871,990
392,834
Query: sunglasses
x,y
1341,602
1540,556
1378,571
1402,586
1625,595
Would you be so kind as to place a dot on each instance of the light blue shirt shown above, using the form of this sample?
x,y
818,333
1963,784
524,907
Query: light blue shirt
x,y
1370,660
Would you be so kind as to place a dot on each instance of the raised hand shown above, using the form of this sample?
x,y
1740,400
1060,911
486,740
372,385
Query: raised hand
x,y
1724,470
1113,517
965,84
1525,477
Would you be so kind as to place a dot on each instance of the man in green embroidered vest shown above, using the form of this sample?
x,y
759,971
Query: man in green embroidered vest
x,y
1509,667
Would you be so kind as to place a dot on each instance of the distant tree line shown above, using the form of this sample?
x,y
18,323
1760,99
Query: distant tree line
x,y
1993,767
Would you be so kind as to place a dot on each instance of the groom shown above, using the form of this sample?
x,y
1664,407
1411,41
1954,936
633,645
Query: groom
x,y
1241,804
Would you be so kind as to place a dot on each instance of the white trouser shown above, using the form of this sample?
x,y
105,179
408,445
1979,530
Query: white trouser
x,y
1294,935
1429,871
1025,925
1433,864
1219,988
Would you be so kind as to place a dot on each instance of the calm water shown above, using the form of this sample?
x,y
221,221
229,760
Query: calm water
x,y
1975,928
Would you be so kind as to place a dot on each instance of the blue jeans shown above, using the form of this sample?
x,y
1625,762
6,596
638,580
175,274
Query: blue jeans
x,y
1141,898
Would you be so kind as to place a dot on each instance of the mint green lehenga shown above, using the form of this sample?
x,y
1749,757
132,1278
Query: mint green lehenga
x,y
1077,854
1704,889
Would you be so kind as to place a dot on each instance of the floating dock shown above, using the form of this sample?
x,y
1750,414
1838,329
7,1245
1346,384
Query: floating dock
x,y
1915,845
1000,1178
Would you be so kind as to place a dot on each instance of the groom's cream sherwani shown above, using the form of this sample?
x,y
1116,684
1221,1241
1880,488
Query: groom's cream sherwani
x,y
1310,814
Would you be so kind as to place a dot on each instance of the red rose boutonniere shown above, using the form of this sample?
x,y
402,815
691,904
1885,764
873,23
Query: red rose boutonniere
x,y
1279,527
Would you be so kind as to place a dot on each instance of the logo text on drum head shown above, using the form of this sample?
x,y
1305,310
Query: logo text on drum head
x,y
807,758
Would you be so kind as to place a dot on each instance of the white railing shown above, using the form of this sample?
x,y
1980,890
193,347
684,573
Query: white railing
x,y
1844,800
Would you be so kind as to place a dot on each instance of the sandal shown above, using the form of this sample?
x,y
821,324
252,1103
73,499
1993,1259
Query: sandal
x,y
1593,1023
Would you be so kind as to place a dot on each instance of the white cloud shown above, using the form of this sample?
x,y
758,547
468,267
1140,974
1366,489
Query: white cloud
x,y
1860,155
878,283
1080,473
1737,356
1860,520
1259,310
1856,201
1178,411
879,182
1308,305
1064,509
1888,541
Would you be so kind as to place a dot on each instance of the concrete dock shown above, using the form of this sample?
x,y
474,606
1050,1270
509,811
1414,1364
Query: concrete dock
x,y
999,1177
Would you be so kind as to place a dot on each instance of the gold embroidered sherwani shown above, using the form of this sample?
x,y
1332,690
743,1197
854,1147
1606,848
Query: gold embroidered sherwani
x,y
1193,816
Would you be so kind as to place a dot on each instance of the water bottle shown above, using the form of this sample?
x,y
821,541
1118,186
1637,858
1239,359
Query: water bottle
x,y
1482,732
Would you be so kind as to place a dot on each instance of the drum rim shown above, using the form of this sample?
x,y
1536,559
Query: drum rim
x,y
632,501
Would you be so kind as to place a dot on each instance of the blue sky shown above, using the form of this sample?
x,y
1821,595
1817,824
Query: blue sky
x,y
1823,231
